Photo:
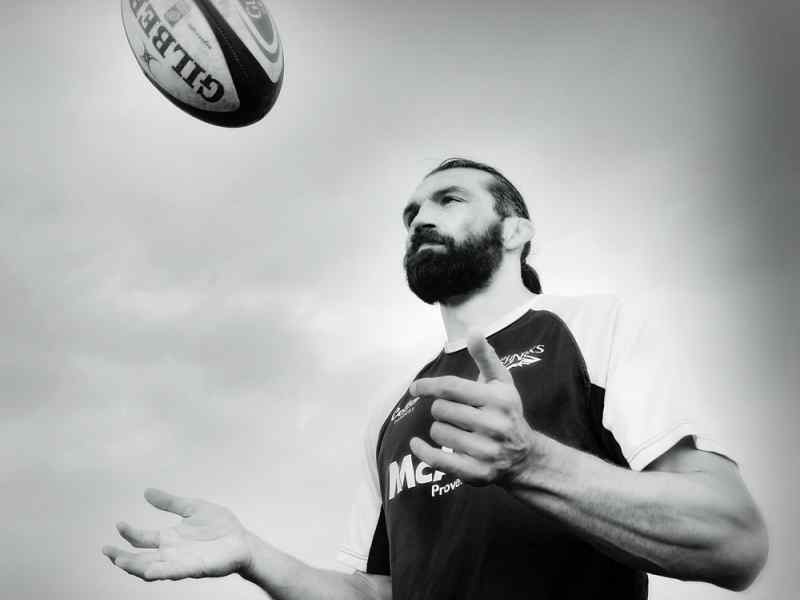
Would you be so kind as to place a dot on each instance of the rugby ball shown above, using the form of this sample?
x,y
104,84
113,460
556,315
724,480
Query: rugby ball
x,y
219,60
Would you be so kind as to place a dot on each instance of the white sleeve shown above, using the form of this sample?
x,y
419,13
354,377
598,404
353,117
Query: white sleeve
x,y
366,508
651,402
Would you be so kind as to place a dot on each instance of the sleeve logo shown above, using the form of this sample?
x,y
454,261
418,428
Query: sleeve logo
x,y
523,359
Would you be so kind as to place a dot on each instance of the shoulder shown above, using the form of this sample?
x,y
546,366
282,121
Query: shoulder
x,y
592,320
580,310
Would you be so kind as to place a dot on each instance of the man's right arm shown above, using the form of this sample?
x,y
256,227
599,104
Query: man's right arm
x,y
286,578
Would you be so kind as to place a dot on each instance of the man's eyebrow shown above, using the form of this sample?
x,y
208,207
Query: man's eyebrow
x,y
413,205
449,190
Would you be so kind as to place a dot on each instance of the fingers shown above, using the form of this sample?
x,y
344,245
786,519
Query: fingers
x,y
111,552
469,418
139,538
464,442
452,388
489,365
461,415
130,562
459,389
148,566
167,502
462,466
163,570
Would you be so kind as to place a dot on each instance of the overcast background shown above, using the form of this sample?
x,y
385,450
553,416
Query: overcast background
x,y
210,311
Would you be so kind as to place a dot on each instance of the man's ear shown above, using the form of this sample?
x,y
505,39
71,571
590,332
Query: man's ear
x,y
517,231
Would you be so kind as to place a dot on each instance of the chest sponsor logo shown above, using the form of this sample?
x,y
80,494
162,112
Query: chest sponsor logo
x,y
404,474
524,358
404,411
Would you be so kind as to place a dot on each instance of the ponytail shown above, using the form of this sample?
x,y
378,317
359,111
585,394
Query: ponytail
x,y
530,278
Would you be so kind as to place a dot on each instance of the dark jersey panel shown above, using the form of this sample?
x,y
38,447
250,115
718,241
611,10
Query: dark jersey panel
x,y
448,539
378,559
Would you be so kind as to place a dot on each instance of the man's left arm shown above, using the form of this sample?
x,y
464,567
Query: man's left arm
x,y
688,515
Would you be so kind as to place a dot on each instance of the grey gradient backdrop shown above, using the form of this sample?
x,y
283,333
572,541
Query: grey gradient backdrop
x,y
211,311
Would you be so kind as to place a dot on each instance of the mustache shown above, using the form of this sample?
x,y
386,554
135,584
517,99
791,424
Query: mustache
x,y
428,236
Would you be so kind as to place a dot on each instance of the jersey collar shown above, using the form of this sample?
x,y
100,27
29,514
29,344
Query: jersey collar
x,y
507,319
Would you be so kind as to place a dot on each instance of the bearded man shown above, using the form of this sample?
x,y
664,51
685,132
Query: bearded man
x,y
546,452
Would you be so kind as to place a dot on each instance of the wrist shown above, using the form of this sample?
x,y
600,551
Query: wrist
x,y
544,457
252,544
272,570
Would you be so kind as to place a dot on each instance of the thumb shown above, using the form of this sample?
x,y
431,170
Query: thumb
x,y
489,365
169,503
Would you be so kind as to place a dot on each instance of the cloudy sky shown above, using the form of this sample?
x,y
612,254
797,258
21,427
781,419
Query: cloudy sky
x,y
210,311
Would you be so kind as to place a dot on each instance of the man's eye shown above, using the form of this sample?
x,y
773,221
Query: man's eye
x,y
449,199
409,215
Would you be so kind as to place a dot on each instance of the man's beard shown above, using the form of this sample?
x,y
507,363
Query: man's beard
x,y
439,275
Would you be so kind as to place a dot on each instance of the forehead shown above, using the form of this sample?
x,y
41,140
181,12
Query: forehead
x,y
471,182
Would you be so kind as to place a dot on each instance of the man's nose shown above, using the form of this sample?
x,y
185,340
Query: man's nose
x,y
419,227
425,217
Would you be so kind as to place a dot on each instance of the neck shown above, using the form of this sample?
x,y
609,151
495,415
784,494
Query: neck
x,y
480,309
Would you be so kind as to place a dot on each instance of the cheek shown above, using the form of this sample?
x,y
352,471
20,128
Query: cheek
x,y
475,228
461,227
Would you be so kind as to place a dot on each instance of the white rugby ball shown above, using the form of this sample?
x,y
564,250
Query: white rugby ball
x,y
219,60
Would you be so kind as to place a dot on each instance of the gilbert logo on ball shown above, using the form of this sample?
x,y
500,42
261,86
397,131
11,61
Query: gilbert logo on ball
x,y
219,60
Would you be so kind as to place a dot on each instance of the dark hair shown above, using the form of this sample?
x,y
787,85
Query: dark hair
x,y
507,202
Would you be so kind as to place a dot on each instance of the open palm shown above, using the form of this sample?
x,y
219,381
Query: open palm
x,y
208,542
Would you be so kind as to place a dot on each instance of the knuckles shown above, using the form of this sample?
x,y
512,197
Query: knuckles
x,y
503,465
502,427
507,403
485,475
490,453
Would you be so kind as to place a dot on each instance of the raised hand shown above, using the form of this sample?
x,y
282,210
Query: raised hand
x,y
481,421
208,542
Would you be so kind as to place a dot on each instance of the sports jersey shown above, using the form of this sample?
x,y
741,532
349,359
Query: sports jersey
x,y
589,376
